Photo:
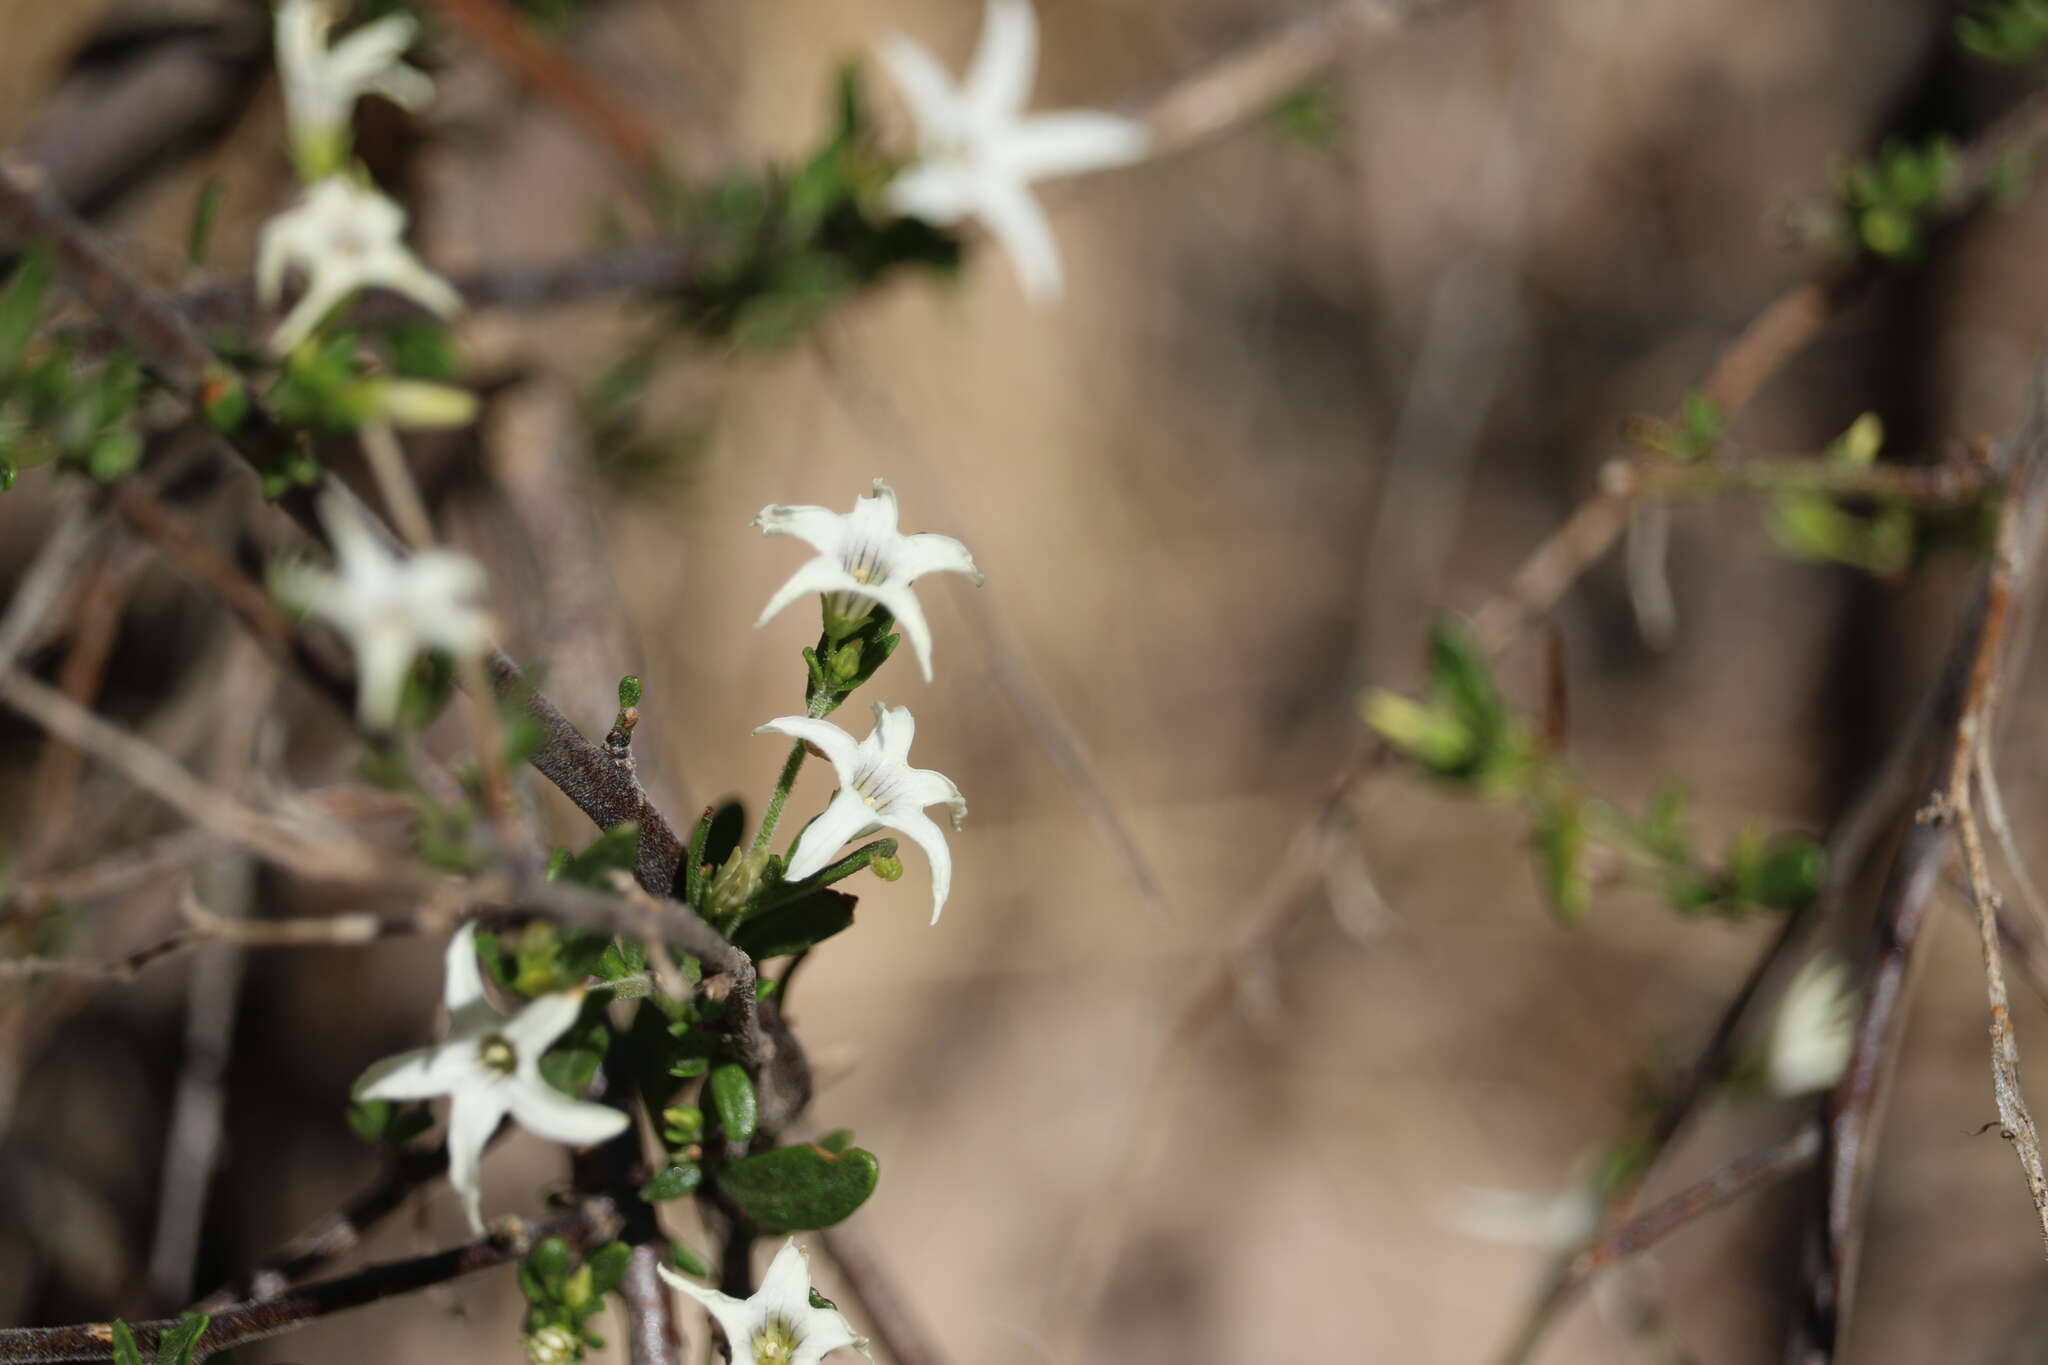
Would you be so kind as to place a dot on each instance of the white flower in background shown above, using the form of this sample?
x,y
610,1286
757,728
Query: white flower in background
x,y
1814,1030
488,1068
778,1325
877,790
390,606
1513,1218
322,83
977,151
863,560
345,236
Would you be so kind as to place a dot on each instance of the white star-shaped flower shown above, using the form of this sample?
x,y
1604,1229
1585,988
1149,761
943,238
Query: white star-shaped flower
x,y
878,789
345,236
1814,1030
778,1325
389,606
864,560
977,151
322,83
488,1068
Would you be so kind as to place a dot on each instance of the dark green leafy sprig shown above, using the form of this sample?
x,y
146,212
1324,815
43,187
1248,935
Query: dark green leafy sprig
x,y
179,1346
2008,31
563,1293
1462,732
784,247
56,407
1894,199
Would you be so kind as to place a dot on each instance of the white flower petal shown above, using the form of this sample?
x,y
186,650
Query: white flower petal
x,y
998,84
736,1316
1013,216
1072,142
472,1118
924,83
323,292
843,820
927,552
941,194
785,1290
894,730
902,604
916,788
921,831
819,527
540,1108
540,1022
841,750
818,575
462,980
384,653
420,1074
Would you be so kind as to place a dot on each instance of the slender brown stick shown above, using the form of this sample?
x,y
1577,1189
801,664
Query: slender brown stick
x,y
1857,1106
513,44
1721,1187
592,1222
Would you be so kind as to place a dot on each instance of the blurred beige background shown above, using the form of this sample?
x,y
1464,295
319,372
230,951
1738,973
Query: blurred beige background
x,y
1295,402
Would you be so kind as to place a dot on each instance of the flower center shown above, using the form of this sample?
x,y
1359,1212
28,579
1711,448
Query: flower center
x,y
775,1342
497,1055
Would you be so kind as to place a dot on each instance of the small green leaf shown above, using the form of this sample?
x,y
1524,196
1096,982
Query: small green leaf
x,y
21,304
552,1258
796,927
608,1266
177,1345
126,1352
673,1182
629,691
1561,840
688,1261
798,1188
205,212
732,1095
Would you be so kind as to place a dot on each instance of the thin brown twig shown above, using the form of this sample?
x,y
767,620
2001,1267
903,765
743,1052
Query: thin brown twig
x,y
1721,1187
1857,1106
589,1223
511,41
180,359
79,677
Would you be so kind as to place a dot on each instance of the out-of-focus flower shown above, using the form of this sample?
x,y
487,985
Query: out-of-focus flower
x,y
553,1345
322,83
863,560
778,1325
978,152
389,606
345,236
1814,1030
878,790
488,1068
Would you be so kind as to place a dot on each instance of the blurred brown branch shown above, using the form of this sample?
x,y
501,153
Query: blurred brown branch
x,y
591,1222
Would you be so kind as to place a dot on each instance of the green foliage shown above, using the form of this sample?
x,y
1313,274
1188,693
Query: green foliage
x,y
1822,528
799,1188
1694,437
178,1346
688,1261
2007,31
783,248
564,1293
614,851
1895,198
205,212
56,405
733,1099
1461,730
797,927
673,1182
387,1122
1310,115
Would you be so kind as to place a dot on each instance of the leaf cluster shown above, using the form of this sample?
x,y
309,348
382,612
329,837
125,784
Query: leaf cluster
x,y
56,406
